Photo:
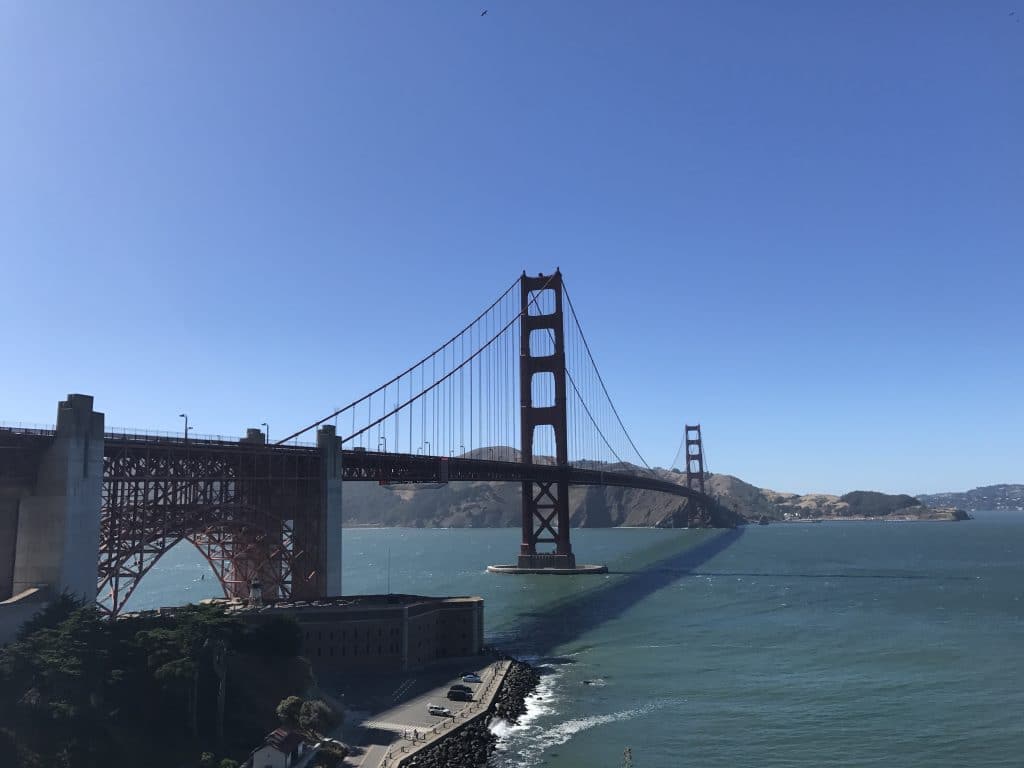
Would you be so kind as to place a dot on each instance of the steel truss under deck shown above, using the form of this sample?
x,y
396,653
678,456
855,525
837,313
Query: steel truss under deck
x,y
253,512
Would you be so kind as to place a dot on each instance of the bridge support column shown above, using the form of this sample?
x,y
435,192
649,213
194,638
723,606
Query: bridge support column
x,y
9,502
697,513
545,504
331,455
58,523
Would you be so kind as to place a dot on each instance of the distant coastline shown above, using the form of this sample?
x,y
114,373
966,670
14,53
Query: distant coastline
x,y
932,515
1005,497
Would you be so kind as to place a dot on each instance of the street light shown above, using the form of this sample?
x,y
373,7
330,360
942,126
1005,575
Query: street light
x,y
427,452
187,427
267,433
382,439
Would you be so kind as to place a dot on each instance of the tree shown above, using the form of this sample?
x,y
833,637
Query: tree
x,y
279,636
8,750
289,711
51,616
315,716
227,762
206,760
80,691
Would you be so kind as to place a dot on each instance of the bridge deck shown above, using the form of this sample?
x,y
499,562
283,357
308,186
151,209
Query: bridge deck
x,y
358,465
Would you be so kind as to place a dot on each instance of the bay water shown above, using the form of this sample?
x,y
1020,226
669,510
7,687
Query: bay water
x,y
798,645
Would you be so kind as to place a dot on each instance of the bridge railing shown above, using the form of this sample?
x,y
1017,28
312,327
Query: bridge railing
x,y
27,428
129,433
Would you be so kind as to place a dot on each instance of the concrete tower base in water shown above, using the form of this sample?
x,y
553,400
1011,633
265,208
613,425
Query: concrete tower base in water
x,y
573,571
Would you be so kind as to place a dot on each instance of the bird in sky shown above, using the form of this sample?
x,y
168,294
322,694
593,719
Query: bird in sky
x,y
483,12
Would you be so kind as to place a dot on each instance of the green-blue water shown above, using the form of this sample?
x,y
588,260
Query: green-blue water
x,y
840,644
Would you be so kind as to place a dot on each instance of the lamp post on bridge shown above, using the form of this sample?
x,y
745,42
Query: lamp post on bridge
x,y
382,439
267,432
427,452
187,427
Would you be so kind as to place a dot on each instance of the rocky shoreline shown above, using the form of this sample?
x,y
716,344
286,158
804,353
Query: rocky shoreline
x,y
472,745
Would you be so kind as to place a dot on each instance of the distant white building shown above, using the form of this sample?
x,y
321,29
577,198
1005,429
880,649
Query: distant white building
x,y
281,749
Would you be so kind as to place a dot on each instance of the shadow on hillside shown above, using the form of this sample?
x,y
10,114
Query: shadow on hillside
x,y
540,632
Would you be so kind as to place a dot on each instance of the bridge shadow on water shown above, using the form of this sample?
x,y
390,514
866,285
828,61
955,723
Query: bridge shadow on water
x,y
885,576
539,633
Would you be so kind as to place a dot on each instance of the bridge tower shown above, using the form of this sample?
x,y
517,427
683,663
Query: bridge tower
x,y
545,503
697,511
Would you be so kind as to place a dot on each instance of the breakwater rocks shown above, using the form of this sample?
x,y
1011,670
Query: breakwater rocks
x,y
510,703
471,745
468,747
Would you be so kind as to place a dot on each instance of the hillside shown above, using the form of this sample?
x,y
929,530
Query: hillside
x,y
996,497
497,505
753,503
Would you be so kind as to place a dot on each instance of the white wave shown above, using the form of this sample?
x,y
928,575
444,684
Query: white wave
x,y
539,703
523,745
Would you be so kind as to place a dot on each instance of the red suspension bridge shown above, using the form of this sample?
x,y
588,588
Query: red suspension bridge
x,y
514,396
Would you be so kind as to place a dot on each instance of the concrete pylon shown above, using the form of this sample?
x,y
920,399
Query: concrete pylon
x,y
331,458
59,521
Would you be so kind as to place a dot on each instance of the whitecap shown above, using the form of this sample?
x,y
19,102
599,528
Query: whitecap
x,y
524,744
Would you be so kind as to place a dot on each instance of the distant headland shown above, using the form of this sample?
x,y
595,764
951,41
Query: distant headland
x,y
1007,496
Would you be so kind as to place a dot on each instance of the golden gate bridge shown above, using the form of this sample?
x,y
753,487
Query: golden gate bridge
x,y
514,396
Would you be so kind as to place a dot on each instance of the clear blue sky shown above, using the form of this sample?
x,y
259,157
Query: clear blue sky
x,y
800,223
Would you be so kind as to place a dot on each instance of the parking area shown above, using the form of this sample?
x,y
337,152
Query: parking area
x,y
389,713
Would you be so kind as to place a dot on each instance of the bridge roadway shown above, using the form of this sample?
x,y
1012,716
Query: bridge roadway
x,y
386,468
406,468
230,497
361,465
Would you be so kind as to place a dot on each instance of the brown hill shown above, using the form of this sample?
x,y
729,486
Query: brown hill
x,y
754,503
497,505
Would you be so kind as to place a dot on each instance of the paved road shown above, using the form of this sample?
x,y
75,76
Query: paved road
x,y
386,710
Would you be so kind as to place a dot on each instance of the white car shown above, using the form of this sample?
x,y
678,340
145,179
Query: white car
x,y
471,677
433,709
